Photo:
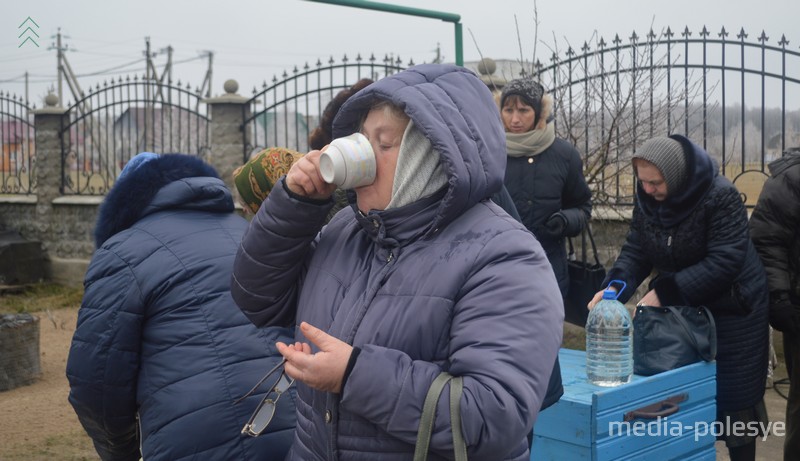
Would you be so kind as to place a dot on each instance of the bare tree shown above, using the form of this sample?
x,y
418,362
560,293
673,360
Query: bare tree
x,y
612,97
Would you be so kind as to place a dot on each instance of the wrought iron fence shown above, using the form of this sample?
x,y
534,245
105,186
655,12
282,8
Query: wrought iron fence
x,y
117,120
17,154
739,99
285,112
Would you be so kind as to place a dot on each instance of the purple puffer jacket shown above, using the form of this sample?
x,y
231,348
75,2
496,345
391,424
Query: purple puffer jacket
x,y
450,282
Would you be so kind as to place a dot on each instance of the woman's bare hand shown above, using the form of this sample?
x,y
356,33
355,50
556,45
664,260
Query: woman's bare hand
x,y
305,179
324,370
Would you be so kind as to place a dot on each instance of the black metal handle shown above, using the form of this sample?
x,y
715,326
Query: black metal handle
x,y
664,408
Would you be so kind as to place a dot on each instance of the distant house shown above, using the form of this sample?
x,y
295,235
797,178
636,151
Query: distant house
x,y
283,129
18,148
158,129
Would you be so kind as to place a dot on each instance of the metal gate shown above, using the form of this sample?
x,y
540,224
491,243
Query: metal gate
x,y
738,98
285,112
17,154
117,120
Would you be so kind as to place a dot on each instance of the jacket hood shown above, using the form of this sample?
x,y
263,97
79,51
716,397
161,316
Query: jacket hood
x,y
455,110
701,170
790,157
171,181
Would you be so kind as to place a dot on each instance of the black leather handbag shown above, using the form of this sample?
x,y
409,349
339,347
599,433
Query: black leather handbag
x,y
665,338
585,280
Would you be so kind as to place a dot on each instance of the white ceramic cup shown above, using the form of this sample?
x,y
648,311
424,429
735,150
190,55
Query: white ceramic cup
x,y
348,162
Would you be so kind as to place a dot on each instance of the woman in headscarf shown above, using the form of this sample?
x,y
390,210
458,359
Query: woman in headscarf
x,y
690,229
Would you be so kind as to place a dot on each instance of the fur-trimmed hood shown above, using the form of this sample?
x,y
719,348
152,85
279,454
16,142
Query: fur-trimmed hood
x,y
171,181
547,112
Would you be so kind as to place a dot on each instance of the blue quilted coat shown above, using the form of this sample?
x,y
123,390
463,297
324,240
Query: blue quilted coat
x,y
158,334
450,282
697,242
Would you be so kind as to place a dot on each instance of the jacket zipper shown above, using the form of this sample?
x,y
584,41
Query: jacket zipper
x,y
334,429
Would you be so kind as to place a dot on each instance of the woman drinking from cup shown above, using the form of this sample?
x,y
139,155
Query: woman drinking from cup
x,y
425,275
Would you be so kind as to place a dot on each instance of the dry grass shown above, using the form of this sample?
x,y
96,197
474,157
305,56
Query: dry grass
x,y
39,297
749,184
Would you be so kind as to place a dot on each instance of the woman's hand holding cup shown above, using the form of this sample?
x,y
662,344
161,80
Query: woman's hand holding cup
x,y
304,178
348,162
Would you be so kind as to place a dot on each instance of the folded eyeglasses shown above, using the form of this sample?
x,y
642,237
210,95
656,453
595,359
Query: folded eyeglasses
x,y
265,410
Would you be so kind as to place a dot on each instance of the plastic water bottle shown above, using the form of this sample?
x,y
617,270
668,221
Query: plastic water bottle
x,y
609,344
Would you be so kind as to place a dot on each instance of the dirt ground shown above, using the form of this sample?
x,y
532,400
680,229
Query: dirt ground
x,y
38,424
36,421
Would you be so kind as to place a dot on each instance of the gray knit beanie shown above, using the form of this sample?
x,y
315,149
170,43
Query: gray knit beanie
x,y
529,90
668,156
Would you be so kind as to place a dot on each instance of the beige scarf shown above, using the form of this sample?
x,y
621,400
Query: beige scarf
x,y
531,142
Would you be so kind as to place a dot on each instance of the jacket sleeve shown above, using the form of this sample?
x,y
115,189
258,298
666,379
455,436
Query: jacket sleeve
x,y
103,362
632,265
504,337
774,226
728,239
271,259
576,198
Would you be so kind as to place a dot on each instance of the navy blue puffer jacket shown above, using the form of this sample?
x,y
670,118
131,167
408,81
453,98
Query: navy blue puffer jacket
x,y
158,334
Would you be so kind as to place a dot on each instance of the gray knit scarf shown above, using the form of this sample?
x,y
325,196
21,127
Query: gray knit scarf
x,y
531,142
419,172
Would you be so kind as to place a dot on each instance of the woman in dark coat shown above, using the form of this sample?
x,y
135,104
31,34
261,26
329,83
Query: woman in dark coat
x,y
690,227
159,339
775,229
544,174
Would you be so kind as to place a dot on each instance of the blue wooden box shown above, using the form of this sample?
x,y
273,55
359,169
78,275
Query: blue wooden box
x,y
589,422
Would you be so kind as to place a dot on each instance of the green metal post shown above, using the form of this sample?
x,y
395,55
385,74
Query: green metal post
x,y
459,46
389,8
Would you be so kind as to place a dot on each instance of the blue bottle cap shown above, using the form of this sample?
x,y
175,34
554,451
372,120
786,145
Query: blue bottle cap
x,y
608,293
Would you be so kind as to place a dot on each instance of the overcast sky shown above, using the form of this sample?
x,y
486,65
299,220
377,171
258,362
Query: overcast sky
x,y
254,40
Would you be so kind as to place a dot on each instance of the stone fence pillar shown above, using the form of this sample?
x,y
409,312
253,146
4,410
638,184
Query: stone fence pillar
x,y
48,123
486,70
228,113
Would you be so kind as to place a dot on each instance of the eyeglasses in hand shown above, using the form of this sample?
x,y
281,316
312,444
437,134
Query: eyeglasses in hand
x,y
261,418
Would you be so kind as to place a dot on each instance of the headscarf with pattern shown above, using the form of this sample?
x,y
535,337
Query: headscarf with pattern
x,y
256,178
